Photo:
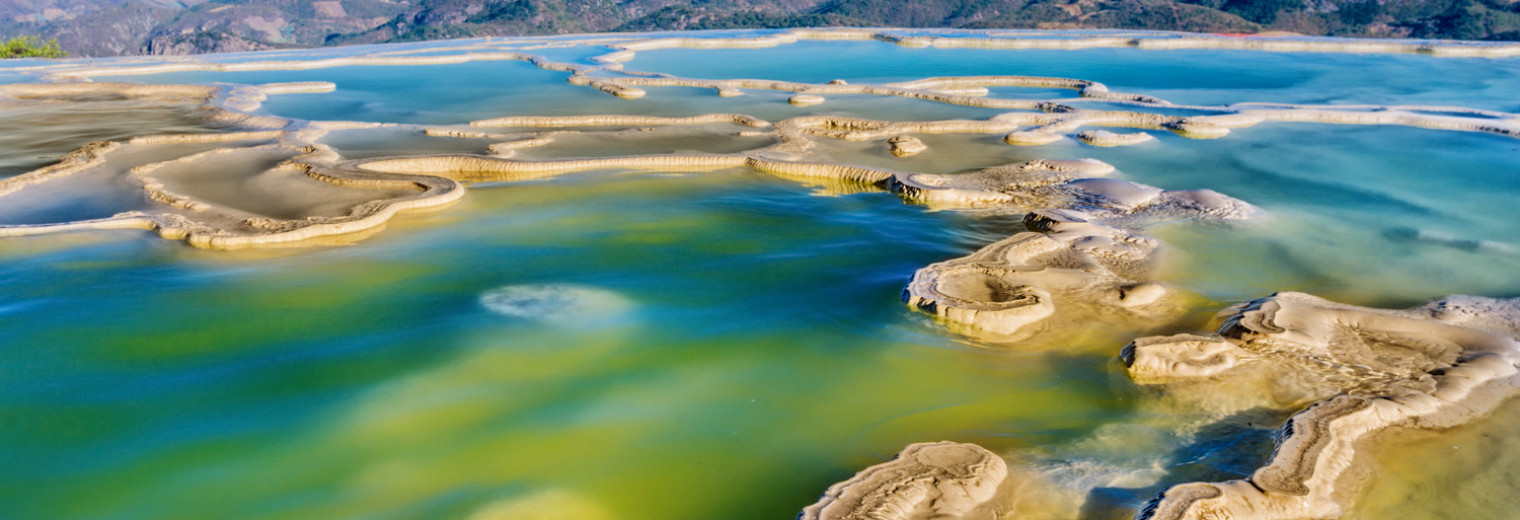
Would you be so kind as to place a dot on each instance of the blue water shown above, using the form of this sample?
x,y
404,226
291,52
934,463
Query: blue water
x,y
1199,77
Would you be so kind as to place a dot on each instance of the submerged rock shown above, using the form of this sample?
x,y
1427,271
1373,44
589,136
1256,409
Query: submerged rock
x,y
1352,373
1406,234
1027,185
559,304
548,504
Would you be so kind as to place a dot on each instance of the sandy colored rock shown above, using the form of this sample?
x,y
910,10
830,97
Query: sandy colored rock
x,y
510,148
82,91
1026,185
1365,371
619,120
1030,278
906,146
940,481
1056,184
803,100
434,131
1106,138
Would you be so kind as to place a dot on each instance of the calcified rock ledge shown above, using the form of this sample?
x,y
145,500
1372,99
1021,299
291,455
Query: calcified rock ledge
x,y
209,225
1081,259
1368,371
906,146
1040,122
1014,40
1356,373
1083,253
929,480
1082,249
1082,256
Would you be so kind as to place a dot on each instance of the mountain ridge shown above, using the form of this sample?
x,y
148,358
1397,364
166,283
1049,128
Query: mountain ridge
x,y
135,27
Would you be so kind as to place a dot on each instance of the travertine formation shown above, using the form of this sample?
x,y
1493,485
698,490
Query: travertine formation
x,y
906,146
1095,259
1355,374
803,100
1080,257
292,152
1366,371
925,482
1088,274
1107,138
1082,248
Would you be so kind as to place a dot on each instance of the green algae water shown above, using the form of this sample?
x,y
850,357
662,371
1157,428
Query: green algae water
x,y
627,345
370,380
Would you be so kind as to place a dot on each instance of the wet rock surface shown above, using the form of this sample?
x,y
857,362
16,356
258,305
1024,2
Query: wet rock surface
x,y
942,480
1363,372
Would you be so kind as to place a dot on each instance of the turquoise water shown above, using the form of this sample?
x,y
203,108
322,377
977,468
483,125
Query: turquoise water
x,y
1342,195
1197,77
745,346
460,93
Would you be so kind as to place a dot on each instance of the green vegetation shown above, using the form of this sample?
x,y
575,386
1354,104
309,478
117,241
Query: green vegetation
x,y
679,17
31,47
1474,20
1261,11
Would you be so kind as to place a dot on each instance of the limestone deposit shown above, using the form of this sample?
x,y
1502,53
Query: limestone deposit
x,y
1031,277
804,100
906,146
1082,259
1082,256
186,216
1365,371
1107,138
929,480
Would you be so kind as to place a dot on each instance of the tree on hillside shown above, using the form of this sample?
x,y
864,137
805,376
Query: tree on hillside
x,y
31,47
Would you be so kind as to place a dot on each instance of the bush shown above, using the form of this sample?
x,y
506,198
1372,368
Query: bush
x,y
31,47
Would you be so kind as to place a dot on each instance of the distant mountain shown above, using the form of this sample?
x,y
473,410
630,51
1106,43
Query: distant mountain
x,y
123,27
118,27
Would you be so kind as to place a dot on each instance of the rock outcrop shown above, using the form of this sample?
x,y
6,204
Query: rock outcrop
x,y
1082,258
1365,371
928,481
